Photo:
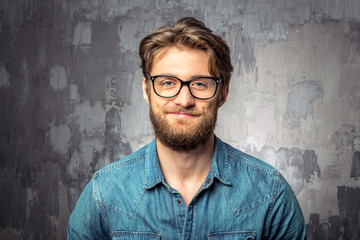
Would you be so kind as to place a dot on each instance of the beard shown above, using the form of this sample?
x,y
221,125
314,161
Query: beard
x,y
183,135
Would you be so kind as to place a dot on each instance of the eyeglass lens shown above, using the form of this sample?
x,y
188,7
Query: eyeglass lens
x,y
167,86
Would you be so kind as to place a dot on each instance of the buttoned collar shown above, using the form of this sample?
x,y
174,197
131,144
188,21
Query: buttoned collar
x,y
219,166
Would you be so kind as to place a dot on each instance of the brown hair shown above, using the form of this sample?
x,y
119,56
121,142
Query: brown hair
x,y
192,33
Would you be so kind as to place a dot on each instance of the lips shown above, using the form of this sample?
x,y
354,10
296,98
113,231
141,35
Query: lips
x,y
181,115
182,112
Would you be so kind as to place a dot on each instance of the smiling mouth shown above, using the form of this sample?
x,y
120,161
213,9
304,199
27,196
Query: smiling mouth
x,y
181,114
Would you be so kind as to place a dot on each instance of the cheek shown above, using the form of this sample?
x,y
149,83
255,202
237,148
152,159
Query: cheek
x,y
210,108
215,104
157,103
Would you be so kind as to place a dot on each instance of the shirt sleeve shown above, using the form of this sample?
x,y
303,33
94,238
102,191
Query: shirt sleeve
x,y
285,220
87,221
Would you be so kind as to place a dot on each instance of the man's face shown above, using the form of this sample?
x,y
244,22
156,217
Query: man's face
x,y
183,122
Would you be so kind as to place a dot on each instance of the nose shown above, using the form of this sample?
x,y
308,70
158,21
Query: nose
x,y
184,98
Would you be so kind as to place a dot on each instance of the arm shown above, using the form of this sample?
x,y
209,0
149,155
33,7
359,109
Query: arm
x,y
87,221
285,220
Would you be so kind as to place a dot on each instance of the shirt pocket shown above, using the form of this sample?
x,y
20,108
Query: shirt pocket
x,y
240,235
127,235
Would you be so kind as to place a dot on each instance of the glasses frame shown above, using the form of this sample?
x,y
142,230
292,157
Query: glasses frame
x,y
184,83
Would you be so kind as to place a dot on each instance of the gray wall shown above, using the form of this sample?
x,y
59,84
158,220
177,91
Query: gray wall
x,y
71,102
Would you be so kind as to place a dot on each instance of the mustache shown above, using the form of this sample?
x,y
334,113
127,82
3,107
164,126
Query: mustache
x,y
183,110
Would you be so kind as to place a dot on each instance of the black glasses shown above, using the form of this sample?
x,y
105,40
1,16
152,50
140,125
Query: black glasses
x,y
167,86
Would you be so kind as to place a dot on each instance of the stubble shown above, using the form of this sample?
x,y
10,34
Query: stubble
x,y
183,135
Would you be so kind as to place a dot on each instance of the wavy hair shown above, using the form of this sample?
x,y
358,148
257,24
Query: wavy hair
x,y
188,32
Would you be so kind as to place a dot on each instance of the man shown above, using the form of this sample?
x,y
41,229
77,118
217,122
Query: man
x,y
187,183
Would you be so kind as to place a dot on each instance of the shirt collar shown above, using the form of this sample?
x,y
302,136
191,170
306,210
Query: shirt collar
x,y
153,172
219,166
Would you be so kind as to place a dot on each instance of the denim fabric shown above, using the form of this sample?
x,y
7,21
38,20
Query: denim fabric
x,y
241,198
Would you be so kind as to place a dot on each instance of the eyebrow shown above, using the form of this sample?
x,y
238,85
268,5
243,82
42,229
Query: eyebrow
x,y
175,75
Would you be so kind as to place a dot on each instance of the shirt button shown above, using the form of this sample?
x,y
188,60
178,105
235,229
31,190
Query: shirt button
x,y
209,180
178,201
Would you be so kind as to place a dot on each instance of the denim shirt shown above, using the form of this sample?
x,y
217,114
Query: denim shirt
x,y
241,198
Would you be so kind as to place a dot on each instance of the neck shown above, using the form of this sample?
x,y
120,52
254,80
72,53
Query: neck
x,y
186,170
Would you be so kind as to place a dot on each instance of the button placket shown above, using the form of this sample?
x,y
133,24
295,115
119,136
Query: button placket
x,y
180,212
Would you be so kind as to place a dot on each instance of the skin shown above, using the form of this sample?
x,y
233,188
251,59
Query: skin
x,y
185,171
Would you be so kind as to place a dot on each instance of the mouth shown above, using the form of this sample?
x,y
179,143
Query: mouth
x,y
183,113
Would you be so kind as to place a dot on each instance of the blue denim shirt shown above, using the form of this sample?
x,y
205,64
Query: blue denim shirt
x,y
241,198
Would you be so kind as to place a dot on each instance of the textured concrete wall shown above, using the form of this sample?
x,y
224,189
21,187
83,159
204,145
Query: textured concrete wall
x,y
71,102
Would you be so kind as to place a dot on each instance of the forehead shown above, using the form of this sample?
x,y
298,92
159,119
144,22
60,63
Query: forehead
x,y
181,60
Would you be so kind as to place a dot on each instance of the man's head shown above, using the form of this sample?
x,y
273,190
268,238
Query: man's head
x,y
191,33
184,117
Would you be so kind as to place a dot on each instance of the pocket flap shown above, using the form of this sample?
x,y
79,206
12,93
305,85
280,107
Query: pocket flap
x,y
127,235
241,235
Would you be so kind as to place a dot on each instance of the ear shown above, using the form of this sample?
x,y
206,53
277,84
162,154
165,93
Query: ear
x,y
224,95
144,88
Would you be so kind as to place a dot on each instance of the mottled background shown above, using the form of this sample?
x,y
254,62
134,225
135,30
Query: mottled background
x,y
71,102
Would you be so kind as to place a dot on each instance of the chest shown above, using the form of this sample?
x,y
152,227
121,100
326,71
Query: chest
x,y
163,214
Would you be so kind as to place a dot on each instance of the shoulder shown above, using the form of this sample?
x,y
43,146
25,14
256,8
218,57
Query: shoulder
x,y
124,168
264,188
133,160
253,178
238,159
116,183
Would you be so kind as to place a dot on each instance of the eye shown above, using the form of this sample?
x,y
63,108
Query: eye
x,y
199,84
166,82
202,83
